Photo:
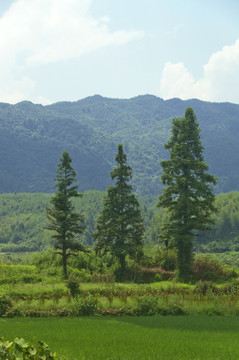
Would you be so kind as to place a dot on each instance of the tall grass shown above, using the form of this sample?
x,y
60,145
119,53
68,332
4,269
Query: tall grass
x,y
126,338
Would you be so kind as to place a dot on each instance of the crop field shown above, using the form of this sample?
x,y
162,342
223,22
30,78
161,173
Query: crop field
x,y
131,338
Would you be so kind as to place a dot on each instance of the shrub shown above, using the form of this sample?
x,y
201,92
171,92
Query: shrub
x,y
211,310
63,312
21,349
209,269
19,273
5,305
172,309
86,306
103,278
83,275
73,285
166,258
52,271
145,275
13,312
146,305
204,287
123,311
231,287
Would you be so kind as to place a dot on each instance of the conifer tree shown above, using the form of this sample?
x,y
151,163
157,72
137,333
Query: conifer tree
x,y
120,226
188,193
64,221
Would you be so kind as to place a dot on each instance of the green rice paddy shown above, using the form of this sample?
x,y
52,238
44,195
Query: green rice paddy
x,y
132,338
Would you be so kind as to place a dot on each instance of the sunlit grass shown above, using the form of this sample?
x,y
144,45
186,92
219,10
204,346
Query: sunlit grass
x,y
37,289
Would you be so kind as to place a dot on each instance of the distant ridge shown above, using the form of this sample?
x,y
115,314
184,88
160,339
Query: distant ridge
x,y
33,136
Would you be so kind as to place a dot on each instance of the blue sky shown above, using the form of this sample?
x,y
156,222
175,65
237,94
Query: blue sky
x,y
55,50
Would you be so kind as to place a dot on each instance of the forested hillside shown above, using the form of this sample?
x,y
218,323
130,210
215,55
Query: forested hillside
x,y
23,217
32,138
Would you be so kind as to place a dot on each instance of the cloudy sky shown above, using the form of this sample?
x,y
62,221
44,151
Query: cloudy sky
x,y
54,50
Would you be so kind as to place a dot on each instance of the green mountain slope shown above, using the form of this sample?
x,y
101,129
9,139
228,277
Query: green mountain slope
x,y
23,217
32,138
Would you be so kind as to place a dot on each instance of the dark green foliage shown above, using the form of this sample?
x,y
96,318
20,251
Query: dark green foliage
x,y
15,274
187,194
86,306
120,226
73,285
21,349
171,309
166,258
226,229
210,269
231,287
147,305
22,216
33,136
5,305
64,221
205,287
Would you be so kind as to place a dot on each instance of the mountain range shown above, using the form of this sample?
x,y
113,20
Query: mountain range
x,y
33,136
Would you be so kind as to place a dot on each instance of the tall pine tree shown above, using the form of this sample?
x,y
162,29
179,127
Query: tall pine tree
x,y
188,193
64,221
120,226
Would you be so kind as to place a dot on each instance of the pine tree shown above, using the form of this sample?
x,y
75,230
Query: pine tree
x,y
188,193
120,226
64,221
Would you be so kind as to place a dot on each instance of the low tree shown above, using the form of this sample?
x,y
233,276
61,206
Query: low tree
x,y
64,221
188,193
120,226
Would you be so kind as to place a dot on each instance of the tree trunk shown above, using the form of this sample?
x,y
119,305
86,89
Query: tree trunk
x,y
122,266
184,257
64,261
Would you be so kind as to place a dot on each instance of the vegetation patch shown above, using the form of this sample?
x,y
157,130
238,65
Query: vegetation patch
x,y
21,349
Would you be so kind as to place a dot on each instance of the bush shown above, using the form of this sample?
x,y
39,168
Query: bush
x,y
231,288
21,349
211,310
13,312
204,287
83,275
52,271
147,305
86,306
73,285
166,258
19,273
103,278
63,312
209,269
172,309
5,305
124,311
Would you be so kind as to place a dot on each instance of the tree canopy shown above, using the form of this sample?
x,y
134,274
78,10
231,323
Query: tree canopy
x,y
64,221
120,226
188,192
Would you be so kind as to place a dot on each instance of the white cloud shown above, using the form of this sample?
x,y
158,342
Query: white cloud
x,y
35,32
220,80
16,90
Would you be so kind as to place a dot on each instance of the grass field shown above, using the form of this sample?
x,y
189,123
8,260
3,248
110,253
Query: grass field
x,y
132,338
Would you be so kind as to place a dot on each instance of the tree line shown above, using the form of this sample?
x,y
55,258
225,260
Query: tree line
x,y
23,216
187,195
